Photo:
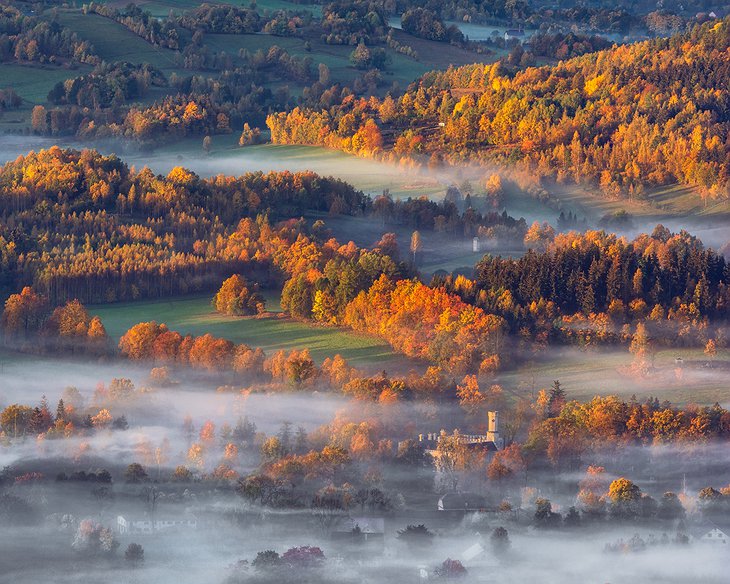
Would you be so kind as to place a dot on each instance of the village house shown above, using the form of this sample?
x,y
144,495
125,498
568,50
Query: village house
x,y
711,533
462,502
514,33
370,530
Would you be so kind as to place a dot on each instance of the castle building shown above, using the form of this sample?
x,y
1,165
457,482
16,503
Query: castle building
x,y
492,441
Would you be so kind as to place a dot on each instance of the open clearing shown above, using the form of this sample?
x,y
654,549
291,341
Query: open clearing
x,y
33,82
367,175
194,315
161,8
441,251
583,374
114,42
604,371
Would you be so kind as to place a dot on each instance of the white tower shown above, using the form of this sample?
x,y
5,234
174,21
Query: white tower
x,y
475,245
493,430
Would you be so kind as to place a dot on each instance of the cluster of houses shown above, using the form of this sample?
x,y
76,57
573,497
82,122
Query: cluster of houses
x,y
370,531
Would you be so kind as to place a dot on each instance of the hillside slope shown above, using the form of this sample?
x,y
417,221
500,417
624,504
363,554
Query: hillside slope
x,y
632,116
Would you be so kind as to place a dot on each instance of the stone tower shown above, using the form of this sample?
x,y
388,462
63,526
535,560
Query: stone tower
x,y
493,430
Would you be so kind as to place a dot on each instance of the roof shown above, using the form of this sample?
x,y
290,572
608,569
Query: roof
x,y
134,517
706,526
461,502
367,525
472,552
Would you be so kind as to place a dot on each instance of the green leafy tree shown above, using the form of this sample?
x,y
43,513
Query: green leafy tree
x,y
135,473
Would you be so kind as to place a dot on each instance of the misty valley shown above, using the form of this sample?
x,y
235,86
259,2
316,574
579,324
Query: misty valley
x,y
212,480
364,291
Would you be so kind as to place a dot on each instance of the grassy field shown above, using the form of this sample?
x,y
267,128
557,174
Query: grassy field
x,y
590,203
114,42
193,315
33,83
684,200
606,371
401,69
227,157
659,204
161,8
435,55
583,374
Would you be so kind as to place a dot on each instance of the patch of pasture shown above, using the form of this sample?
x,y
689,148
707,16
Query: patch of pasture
x,y
194,315
607,371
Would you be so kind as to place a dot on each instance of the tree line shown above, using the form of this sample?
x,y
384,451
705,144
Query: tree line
x,y
86,226
601,282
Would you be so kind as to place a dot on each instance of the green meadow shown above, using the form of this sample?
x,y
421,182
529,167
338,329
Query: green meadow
x,y
194,315
606,371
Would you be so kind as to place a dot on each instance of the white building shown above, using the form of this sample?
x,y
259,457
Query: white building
x,y
514,33
709,532
130,525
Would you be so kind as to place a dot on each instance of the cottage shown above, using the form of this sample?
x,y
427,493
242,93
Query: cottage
x,y
369,529
710,532
514,33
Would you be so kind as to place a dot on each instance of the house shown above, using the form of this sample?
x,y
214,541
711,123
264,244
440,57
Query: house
x,y
514,33
462,502
368,529
144,524
710,532
365,534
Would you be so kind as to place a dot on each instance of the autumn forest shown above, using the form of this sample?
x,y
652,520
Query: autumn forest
x,y
364,291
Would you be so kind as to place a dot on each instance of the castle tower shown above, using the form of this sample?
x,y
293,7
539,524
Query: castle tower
x,y
493,430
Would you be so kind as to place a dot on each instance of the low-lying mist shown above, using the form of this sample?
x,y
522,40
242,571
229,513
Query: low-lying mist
x,y
60,479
